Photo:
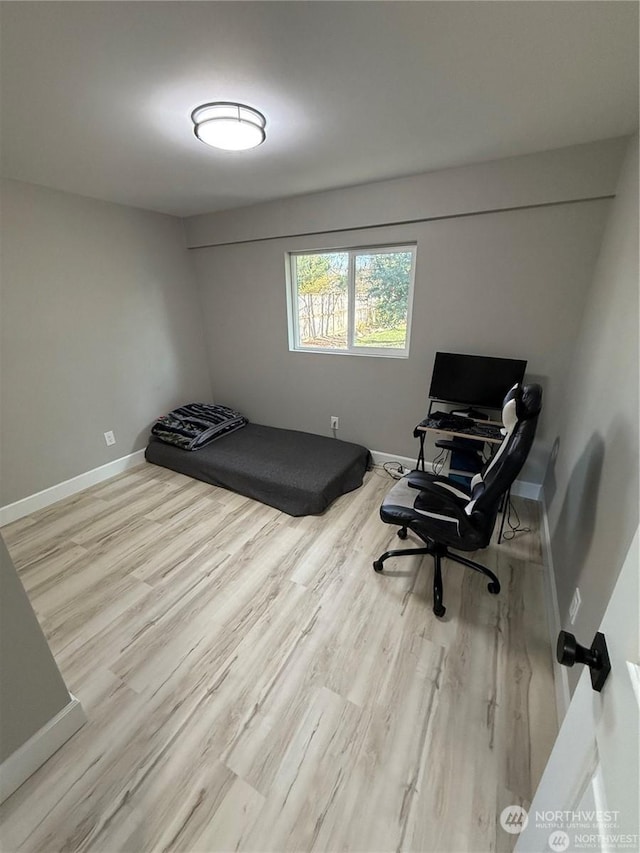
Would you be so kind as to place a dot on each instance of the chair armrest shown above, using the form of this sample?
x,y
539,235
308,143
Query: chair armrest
x,y
421,480
444,502
417,479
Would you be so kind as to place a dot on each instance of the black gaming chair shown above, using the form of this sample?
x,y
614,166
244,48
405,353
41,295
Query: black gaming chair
x,y
446,515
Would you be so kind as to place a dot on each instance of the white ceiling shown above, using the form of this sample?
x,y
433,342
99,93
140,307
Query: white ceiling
x,y
96,96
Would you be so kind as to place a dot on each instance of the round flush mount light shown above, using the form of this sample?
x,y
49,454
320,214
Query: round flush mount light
x,y
230,126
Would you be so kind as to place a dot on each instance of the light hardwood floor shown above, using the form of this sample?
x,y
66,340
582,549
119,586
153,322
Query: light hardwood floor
x,y
251,683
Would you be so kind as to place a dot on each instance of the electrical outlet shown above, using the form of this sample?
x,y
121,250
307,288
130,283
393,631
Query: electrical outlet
x,y
110,438
576,601
335,422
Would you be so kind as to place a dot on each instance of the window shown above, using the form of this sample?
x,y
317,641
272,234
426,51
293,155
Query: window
x,y
355,301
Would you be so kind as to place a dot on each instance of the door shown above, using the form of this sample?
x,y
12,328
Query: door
x,y
589,797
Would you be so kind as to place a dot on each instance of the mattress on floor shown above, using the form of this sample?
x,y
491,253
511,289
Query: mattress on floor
x,y
296,472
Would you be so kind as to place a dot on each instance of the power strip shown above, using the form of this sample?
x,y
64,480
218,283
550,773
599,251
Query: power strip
x,y
398,472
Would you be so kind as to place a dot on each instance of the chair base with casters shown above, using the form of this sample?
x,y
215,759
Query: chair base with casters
x,y
438,551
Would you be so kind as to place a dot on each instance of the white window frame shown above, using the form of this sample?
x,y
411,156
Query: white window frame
x,y
351,348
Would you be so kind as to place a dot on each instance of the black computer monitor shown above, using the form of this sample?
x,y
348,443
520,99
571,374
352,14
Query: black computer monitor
x,y
474,380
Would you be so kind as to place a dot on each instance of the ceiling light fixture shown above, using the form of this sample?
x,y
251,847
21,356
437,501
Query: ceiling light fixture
x,y
227,125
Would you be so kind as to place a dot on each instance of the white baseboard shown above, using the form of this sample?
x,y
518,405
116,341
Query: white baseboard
x,y
409,462
560,675
40,500
525,489
24,762
14,511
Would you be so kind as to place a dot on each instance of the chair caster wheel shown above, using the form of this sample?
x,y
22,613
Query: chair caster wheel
x,y
494,588
402,533
439,609
377,566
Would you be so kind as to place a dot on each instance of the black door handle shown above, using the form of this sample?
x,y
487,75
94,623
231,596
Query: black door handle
x,y
569,651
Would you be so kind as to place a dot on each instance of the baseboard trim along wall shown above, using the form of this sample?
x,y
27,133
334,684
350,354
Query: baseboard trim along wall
x,y
14,511
380,458
560,675
32,503
24,762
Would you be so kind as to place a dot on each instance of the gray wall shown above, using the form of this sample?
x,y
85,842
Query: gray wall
x,y
508,283
100,331
592,487
575,172
32,691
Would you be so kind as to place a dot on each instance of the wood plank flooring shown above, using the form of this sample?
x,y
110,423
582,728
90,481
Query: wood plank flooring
x,y
251,684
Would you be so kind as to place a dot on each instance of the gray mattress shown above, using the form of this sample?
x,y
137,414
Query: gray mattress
x,y
296,472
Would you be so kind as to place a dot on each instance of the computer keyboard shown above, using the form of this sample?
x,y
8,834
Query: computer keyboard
x,y
487,430
458,423
447,421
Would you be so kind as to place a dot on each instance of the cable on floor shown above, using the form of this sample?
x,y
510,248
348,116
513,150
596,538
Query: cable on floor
x,y
439,462
396,470
514,529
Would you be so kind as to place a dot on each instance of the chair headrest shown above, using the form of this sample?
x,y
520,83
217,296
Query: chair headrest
x,y
531,401
521,403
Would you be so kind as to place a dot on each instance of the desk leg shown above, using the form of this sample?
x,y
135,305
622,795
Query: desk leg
x,y
505,509
420,460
